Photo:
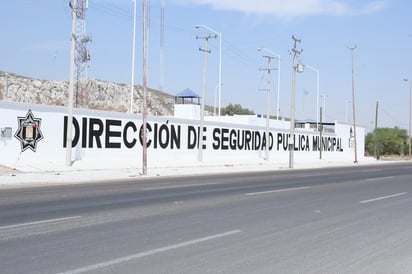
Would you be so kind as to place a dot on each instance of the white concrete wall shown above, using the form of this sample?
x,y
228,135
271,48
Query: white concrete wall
x,y
111,136
191,111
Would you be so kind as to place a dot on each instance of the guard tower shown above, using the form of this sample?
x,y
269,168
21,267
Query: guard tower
x,y
187,105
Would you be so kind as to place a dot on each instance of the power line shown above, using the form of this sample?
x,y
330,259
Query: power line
x,y
113,10
388,115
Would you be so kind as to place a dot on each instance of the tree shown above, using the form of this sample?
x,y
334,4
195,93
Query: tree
x,y
231,110
391,141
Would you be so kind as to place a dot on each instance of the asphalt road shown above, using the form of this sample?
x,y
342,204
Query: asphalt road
x,y
338,220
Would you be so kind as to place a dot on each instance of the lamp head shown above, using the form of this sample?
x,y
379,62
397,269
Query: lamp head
x,y
300,67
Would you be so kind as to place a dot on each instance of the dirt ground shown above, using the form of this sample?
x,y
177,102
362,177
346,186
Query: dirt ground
x,y
7,171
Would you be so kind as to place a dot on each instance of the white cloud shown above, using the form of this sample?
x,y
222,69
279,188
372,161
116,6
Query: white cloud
x,y
294,8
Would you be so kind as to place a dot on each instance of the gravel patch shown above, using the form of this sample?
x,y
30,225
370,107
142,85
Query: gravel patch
x,y
7,170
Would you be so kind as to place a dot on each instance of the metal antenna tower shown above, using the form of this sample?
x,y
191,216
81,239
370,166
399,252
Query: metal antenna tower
x,y
82,55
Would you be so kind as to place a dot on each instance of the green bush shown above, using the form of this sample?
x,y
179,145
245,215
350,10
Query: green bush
x,y
390,141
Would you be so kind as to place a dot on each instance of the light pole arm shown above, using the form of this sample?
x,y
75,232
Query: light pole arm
x,y
317,93
220,61
278,81
209,29
271,52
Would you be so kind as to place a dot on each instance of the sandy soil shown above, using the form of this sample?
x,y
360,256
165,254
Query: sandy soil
x,y
7,171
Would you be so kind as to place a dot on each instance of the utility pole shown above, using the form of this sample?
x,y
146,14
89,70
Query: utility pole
x,y
323,98
162,43
144,114
71,85
133,56
376,132
202,110
410,112
353,104
268,69
410,109
218,34
79,57
320,134
220,74
295,53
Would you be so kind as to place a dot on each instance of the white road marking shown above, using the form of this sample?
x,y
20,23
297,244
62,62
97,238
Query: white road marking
x,y
275,191
383,197
179,186
311,175
371,170
149,253
40,222
380,178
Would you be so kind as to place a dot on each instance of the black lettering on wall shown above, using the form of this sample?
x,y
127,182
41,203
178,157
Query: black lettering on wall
x,y
315,142
248,139
264,137
125,131
240,140
148,130
84,132
286,138
191,137
111,133
164,136
175,137
216,139
225,139
279,141
76,132
257,140
204,137
95,132
232,139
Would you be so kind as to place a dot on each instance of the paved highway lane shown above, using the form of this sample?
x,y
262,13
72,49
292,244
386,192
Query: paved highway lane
x,y
346,220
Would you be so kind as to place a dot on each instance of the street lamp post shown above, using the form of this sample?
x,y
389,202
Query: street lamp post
x,y
220,62
317,94
353,105
268,101
278,91
295,68
133,57
69,137
202,110
410,110
144,107
323,97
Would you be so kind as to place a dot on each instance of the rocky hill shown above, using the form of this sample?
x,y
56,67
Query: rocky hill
x,y
89,93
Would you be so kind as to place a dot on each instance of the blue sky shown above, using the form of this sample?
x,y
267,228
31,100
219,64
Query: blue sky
x,y
36,43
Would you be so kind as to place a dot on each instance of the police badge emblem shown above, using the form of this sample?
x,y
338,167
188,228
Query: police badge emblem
x,y
29,132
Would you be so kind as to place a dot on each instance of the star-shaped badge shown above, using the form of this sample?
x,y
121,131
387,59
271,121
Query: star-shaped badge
x,y
29,132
